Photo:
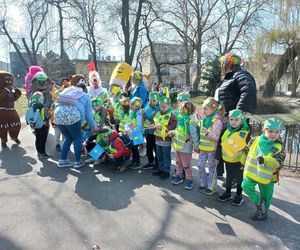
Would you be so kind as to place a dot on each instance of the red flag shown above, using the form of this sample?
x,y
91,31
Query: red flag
x,y
91,65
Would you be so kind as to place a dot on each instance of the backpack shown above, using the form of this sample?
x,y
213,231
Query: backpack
x,y
70,95
125,139
34,118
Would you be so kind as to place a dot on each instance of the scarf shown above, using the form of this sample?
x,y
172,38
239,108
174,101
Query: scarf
x,y
265,145
232,130
208,119
183,121
132,114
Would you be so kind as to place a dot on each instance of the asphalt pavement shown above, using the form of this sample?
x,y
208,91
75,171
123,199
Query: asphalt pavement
x,y
44,207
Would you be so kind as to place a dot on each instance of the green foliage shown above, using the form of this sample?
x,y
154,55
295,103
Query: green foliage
x,y
211,75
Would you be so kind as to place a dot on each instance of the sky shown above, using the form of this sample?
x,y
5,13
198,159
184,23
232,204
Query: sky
x,y
114,49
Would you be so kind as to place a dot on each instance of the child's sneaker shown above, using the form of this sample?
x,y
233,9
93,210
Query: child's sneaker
x,y
259,215
188,184
121,168
208,191
65,164
177,180
148,166
238,200
44,156
224,197
89,161
135,165
201,189
78,164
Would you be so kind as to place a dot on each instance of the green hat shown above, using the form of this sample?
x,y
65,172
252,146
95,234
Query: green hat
x,y
183,97
165,100
236,113
106,131
154,95
41,76
273,123
37,97
95,102
103,93
137,101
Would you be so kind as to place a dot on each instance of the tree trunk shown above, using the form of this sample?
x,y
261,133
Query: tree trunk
x,y
125,28
199,69
94,53
187,73
280,69
61,31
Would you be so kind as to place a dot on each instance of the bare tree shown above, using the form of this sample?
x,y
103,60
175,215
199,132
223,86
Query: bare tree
x,y
36,12
285,34
238,23
86,14
59,6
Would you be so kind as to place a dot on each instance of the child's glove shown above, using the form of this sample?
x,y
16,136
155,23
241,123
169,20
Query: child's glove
x,y
260,160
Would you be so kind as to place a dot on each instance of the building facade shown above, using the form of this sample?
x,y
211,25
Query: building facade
x,y
167,54
105,69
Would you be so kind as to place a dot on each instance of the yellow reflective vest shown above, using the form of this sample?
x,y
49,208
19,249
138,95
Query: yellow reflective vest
x,y
259,172
226,155
123,122
181,137
162,120
206,144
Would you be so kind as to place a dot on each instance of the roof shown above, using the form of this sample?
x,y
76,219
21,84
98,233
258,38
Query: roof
x,y
286,119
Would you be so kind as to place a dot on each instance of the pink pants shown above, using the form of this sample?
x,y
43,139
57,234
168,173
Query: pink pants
x,y
183,161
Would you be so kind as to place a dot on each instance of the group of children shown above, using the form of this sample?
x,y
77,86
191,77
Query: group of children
x,y
249,162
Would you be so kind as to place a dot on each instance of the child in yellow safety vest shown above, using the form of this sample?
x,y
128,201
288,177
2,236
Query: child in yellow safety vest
x,y
116,92
135,123
152,107
210,129
125,108
185,137
233,140
262,159
164,121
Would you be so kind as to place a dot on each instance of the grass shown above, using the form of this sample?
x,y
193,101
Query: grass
x,y
21,105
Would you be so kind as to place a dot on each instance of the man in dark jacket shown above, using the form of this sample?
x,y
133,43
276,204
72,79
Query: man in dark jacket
x,y
237,90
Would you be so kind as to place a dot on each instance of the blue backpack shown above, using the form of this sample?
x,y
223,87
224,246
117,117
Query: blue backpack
x,y
33,118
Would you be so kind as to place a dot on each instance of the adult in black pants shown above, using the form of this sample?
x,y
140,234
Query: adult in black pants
x,y
237,90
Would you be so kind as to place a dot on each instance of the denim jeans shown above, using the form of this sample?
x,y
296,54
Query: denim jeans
x,y
164,158
72,133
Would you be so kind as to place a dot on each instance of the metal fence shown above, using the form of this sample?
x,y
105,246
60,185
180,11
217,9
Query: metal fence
x,y
290,135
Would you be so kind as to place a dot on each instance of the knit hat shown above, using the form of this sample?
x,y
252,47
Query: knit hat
x,y
210,102
236,113
137,75
103,94
95,102
183,97
136,101
40,76
37,97
124,100
232,59
154,95
273,123
105,131
165,100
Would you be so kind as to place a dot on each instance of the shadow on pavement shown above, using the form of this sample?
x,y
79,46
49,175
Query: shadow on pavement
x,y
15,161
94,185
285,227
7,244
